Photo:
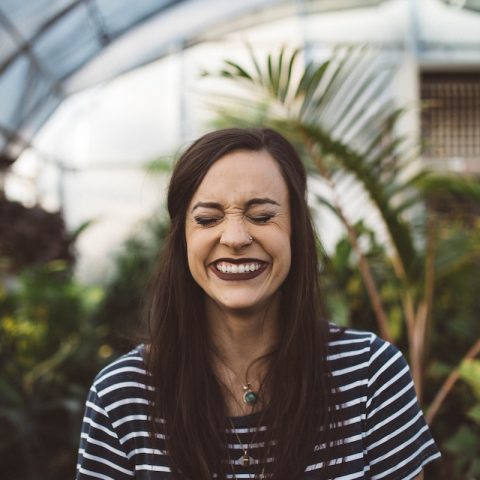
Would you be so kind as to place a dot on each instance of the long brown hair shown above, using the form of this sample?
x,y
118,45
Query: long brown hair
x,y
187,395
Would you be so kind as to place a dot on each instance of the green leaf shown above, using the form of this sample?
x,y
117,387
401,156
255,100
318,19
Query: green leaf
x,y
470,372
453,184
254,60
240,72
309,84
474,413
338,309
464,442
74,234
9,393
474,470
287,76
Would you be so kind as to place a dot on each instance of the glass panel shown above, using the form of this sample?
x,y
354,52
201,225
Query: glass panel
x,y
7,46
42,113
29,16
22,88
36,88
68,44
11,88
121,14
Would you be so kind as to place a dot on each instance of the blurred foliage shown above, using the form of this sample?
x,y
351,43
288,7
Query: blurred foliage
x,y
31,236
344,290
121,310
463,445
55,335
455,316
49,352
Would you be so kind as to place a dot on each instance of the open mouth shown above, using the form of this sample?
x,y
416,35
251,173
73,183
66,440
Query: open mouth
x,y
244,269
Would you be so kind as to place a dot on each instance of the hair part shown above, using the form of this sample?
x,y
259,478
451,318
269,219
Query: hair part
x,y
187,394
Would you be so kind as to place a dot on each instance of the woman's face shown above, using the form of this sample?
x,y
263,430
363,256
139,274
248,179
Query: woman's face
x,y
243,195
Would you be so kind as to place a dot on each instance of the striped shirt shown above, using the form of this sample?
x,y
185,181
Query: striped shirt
x,y
383,432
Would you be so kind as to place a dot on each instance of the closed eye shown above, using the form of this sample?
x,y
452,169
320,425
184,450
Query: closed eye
x,y
260,218
206,221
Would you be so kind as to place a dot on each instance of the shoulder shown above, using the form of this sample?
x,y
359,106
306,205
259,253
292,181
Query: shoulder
x,y
116,413
123,379
358,344
362,355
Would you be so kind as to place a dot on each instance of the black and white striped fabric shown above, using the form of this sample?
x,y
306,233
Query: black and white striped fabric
x,y
383,432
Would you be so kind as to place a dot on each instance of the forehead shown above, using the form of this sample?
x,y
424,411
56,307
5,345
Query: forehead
x,y
241,175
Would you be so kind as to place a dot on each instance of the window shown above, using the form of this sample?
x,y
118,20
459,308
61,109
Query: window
x,y
451,120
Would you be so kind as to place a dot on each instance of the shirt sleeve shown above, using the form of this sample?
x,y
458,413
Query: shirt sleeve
x,y
398,441
100,455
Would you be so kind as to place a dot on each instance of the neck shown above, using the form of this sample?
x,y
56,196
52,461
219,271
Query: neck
x,y
239,339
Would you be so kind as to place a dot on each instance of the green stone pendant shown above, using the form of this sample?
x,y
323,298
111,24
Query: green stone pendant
x,y
249,396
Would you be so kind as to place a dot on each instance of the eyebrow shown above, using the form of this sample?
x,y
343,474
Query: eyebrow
x,y
260,201
249,203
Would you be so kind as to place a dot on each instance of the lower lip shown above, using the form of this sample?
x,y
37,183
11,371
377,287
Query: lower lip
x,y
232,277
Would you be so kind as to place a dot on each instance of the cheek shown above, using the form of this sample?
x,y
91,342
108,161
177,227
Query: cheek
x,y
283,256
197,252
191,251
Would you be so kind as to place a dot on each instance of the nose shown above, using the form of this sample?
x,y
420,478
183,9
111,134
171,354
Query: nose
x,y
235,234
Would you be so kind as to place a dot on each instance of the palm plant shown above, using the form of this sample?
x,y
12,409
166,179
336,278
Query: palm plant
x,y
340,116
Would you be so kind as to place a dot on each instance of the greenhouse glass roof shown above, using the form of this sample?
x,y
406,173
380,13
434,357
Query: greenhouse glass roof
x,y
50,49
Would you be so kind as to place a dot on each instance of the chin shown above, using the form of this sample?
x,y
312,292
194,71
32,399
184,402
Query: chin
x,y
244,306
240,307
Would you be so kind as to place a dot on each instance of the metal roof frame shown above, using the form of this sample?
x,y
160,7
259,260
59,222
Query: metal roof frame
x,y
52,48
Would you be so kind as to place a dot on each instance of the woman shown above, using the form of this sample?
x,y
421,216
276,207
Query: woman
x,y
245,377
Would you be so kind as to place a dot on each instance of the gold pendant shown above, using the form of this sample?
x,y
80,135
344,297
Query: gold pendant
x,y
245,460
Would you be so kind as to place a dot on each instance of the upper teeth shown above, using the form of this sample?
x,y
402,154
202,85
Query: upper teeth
x,y
225,267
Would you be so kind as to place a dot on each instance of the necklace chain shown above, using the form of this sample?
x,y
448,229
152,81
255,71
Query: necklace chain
x,y
250,398
246,458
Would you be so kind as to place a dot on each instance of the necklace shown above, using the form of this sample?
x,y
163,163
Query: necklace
x,y
246,460
250,398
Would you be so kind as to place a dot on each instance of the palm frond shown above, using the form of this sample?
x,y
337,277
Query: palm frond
x,y
452,184
325,104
